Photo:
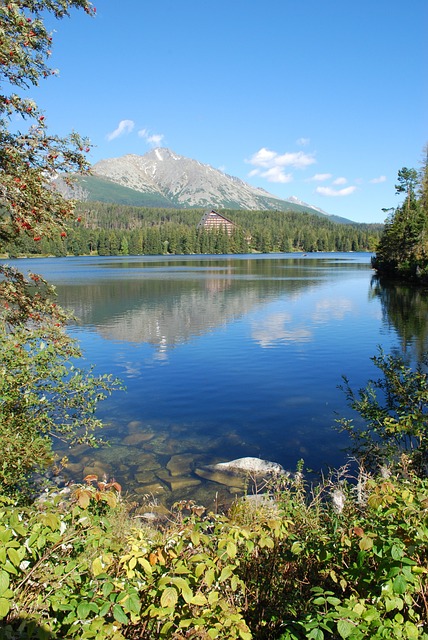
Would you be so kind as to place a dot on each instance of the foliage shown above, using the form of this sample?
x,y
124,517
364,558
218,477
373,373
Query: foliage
x,y
395,413
43,395
97,495
403,248
342,560
30,159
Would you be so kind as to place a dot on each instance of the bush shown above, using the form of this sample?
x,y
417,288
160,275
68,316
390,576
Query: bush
x,y
395,413
342,560
43,394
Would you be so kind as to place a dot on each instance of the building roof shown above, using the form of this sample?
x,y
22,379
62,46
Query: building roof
x,y
213,215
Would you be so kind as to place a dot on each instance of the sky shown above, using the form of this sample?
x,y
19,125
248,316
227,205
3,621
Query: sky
x,y
324,101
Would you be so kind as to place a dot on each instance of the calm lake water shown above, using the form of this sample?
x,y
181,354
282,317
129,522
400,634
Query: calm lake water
x,y
227,356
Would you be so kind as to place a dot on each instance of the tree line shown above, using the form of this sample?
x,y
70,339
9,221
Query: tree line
x,y
115,229
403,248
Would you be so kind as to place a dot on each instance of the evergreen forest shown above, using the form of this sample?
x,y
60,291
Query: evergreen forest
x,y
114,229
403,249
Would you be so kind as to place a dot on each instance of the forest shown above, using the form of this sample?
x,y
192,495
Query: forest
x,y
402,252
113,229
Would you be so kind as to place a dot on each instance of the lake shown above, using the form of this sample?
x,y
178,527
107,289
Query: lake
x,y
225,357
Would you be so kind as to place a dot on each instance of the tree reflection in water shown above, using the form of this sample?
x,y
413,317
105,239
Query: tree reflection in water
x,y
405,308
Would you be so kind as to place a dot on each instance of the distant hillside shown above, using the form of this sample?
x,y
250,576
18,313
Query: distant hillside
x,y
162,178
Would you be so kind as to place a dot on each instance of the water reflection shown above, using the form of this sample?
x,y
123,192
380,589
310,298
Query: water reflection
x,y
227,357
405,308
277,327
167,302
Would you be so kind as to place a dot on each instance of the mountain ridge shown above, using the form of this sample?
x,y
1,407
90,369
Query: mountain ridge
x,y
164,178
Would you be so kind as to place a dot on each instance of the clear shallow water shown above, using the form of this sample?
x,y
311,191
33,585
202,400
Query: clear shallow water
x,y
225,357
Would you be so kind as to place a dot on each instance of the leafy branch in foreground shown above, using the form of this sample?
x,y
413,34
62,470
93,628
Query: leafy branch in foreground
x,y
43,394
395,413
31,157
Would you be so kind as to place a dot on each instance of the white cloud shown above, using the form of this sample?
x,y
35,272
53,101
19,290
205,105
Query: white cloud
x,y
303,142
320,177
124,126
276,174
263,158
268,159
328,191
154,139
340,181
378,180
270,164
297,160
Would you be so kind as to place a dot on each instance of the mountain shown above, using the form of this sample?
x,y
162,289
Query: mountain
x,y
162,178
295,200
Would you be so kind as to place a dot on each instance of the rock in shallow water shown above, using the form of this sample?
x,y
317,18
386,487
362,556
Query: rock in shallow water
x,y
249,465
181,464
237,473
223,477
138,438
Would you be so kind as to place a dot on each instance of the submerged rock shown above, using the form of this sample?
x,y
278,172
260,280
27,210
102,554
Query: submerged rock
x,y
177,483
181,464
138,438
147,462
145,477
223,477
150,490
99,469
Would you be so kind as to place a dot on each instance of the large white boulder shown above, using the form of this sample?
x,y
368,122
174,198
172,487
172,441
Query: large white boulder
x,y
250,465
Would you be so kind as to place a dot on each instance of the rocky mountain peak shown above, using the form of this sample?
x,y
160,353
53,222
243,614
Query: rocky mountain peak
x,y
163,176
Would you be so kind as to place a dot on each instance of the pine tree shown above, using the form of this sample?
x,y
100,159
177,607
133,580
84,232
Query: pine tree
x,y
403,247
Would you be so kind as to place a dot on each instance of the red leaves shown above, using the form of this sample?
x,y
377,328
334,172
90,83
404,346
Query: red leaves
x,y
90,478
115,485
85,494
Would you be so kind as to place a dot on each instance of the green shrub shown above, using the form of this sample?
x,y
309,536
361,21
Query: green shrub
x,y
341,560
394,409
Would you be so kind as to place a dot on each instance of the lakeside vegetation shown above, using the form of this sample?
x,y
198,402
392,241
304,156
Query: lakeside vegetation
x,y
346,558
403,249
341,560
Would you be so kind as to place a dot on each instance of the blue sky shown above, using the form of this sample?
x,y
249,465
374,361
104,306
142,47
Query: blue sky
x,y
325,101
